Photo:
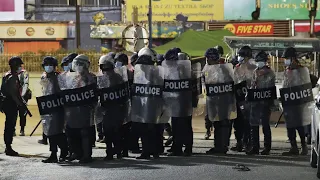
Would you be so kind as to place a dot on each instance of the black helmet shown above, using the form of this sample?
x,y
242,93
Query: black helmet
x,y
171,54
49,60
212,54
69,58
220,49
15,61
245,51
261,56
121,57
289,53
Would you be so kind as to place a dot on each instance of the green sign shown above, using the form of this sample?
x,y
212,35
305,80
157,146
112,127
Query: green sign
x,y
238,9
270,10
284,10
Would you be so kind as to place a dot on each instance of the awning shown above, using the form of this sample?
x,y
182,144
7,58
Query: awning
x,y
274,43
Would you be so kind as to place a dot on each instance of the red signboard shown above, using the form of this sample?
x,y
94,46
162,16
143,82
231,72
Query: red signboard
x,y
304,26
249,29
7,5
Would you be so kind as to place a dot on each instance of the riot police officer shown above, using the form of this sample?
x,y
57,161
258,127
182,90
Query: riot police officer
x,y
178,100
147,101
220,99
261,94
53,124
297,112
13,102
79,118
242,77
66,63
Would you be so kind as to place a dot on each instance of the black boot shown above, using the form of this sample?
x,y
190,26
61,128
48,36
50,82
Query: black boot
x,y
238,147
208,134
265,151
294,151
125,153
10,152
218,139
52,159
144,156
63,155
43,141
254,150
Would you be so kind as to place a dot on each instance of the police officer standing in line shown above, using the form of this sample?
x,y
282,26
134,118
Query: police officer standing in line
x,y
208,123
53,124
147,101
242,77
178,101
220,99
112,82
13,102
26,95
263,82
79,118
297,113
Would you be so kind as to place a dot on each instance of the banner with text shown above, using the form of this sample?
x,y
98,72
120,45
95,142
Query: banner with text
x,y
249,29
167,10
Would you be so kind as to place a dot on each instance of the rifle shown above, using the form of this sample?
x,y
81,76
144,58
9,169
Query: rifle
x,y
276,125
35,128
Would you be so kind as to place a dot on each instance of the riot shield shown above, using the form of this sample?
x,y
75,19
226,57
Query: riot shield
x,y
114,96
196,81
296,97
220,101
261,95
242,78
81,116
52,123
147,101
177,92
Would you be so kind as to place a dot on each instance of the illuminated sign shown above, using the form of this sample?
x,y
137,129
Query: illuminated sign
x,y
247,29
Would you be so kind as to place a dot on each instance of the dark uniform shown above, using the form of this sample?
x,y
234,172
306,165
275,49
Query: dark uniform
x,y
11,89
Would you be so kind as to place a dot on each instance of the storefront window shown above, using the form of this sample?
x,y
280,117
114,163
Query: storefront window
x,y
54,2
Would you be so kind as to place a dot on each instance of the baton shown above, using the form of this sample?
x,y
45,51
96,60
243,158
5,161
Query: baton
x,y
35,128
276,125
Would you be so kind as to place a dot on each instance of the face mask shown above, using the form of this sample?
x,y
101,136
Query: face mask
x,y
287,62
66,68
118,64
19,69
70,66
240,59
260,64
48,69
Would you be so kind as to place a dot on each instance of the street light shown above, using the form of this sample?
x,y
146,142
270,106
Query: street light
x,y
77,2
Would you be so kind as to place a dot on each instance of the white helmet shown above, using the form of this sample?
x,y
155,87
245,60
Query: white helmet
x,y
80,62
183,56
148,52
105,58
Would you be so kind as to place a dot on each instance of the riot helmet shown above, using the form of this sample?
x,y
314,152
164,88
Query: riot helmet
x,y
290,55
15,63
183,56
121,59
106,62
49,64
160,58
220,50
134,59
212,55
81,63
112,54
171,55
178,50
261,59
244,53
142,56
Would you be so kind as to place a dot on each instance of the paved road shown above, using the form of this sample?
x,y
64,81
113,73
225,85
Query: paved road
x,y
200,166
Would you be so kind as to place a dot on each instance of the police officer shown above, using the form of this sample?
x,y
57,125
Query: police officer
x,y
220,99
66,63
26,95
263,82
178,105
116,108
11,88
53,124
146,104
242,76
297,115
208,123
79,118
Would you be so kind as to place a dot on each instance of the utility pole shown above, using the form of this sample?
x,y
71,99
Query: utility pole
x,y
78,35
313,5
150,23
